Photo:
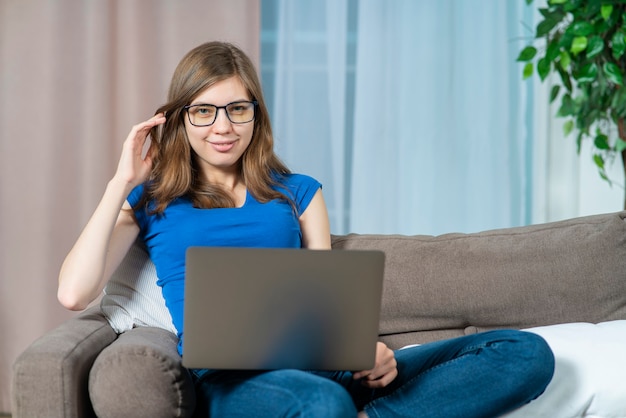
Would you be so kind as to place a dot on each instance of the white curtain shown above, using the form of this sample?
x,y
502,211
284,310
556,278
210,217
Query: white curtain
x,y
437,112
414,116
309,107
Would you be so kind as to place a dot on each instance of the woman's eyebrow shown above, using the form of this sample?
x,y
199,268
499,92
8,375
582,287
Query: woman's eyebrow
x,y
207,103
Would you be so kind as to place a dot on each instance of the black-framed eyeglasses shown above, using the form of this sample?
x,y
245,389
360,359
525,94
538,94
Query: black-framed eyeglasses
x,y
206,114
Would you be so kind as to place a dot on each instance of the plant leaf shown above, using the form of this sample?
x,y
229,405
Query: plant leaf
x,y
568,127
618,104
552,13
606,11
557,1
596,45
620,145
528,70
543,68
565,78
527,54
565,59
599,160
582,29
567,106
601,141
545,26
553,51
613,73
554,92
573,6
618,44
603,26
579,44
588,73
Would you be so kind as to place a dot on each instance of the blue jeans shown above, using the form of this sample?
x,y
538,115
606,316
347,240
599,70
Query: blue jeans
x,y
481,375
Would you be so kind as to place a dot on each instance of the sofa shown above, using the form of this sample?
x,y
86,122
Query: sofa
x,y
564,280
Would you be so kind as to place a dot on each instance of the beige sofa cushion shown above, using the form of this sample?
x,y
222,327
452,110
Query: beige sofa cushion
x,y
453,284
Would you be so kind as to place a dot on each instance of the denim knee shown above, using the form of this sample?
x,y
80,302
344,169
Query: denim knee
x,y
541,360
320,397
534,359
285,393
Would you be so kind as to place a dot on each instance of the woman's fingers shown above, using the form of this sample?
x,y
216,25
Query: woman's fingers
x,y
135,164
384,371
139,133
382,381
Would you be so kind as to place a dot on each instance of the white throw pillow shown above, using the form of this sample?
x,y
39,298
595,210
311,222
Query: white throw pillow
x,y
590,375
132,298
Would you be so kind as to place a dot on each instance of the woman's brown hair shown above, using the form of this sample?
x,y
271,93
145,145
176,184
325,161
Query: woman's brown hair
x,y
175,172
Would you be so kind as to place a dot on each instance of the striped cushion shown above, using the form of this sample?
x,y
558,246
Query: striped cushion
x,y
132,297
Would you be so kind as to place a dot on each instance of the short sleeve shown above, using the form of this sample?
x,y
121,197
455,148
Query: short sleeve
x,y
135,195
301,188
140,213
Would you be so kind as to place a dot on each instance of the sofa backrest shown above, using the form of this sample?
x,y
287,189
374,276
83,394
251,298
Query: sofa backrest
x,y
444,286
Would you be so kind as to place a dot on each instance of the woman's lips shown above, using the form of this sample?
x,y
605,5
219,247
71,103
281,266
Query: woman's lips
x,y
223,146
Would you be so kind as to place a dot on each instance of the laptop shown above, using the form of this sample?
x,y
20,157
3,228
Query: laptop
x,y
264,309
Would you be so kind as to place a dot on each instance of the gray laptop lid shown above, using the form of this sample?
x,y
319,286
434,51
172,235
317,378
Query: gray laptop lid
x,y
257,309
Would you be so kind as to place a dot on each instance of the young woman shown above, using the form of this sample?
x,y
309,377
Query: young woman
x,y
211,177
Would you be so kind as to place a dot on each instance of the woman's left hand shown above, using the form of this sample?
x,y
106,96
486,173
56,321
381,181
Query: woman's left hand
x,y
384,371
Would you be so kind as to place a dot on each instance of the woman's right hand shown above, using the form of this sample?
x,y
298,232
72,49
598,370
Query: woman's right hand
x,y
133,168
110,231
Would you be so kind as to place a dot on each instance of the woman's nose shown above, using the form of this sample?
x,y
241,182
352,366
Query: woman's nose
x,y
222,122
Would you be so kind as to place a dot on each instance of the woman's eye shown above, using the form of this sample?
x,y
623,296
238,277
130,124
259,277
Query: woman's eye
x,y
237,108
205,111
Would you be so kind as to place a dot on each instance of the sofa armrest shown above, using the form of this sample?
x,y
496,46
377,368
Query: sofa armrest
x,y
50,378
141,375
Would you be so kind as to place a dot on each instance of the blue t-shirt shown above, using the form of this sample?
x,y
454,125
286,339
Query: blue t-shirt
x,y
167,236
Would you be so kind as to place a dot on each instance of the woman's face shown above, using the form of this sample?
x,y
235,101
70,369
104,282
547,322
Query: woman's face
x,y
220,145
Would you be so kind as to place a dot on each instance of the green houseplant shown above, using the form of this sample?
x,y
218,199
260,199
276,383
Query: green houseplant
x,y
584,46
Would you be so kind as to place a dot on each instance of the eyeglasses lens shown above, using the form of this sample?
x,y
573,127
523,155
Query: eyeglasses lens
x,y
205,115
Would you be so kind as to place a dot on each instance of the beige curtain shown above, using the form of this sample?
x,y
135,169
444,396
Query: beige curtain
x,y
75,75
